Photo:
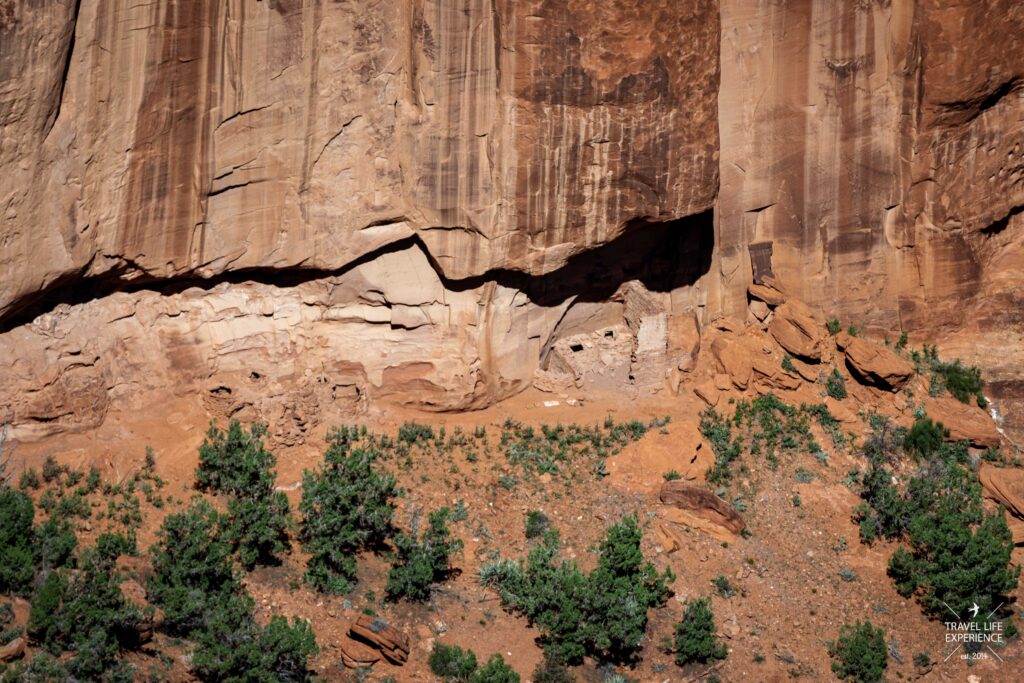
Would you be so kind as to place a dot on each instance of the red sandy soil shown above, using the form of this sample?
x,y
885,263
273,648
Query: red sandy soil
x,y
791,598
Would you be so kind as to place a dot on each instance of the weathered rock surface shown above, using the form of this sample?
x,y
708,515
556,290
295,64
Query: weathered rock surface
x,y
797,331
964,421
176,138
702,504
545,172
392,643
874,363
1005,486
13,650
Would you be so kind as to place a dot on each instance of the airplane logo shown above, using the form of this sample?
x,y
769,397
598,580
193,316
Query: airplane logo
x,y
974,611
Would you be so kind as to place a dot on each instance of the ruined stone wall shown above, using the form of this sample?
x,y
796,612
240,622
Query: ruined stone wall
x,y
283,205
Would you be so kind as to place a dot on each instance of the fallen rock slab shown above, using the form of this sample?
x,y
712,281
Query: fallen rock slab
x,y
356,654
12,650
733,358
392,643
874,364
701,507
965,422
766,293
797,331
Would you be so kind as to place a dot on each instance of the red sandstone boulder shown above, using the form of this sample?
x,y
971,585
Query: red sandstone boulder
x,y
703,504
797,331
873,363
964,421
392,643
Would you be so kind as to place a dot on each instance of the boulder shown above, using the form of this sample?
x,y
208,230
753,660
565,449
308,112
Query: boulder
x,y
797,331
874,364
12,650
356,654
759,309
767,293
702,509
1004,486
708,392
733,358
392,643
965,422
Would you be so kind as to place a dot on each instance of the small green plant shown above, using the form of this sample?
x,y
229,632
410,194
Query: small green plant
x,y
833,326
537,523
452,663
901,343
696,637
847,574
413,433
723,587
859,653
922,660
552,670
52,469
787,363
422,562
925,437
803,476
29,480
835,385
852,330
672,475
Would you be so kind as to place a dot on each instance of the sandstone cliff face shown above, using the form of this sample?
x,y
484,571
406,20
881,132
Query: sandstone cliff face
x,y
432,200
160,140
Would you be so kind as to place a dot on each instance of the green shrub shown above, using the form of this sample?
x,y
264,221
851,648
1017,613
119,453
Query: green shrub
x,y
672,475
29,480
495,671
835,385
202,598
723,586
232,647
603,614
192,568
787,363
958,554
963,382
901,343
551,670
925,437
42,617
833,326
16,515
257,528
87,613
536,523
346,508
42,668
414,432
696,638
859,653
52,469
422,562
452,663
234,461
54,545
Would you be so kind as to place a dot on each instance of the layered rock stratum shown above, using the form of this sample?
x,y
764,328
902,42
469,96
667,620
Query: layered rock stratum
x,y
297,208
